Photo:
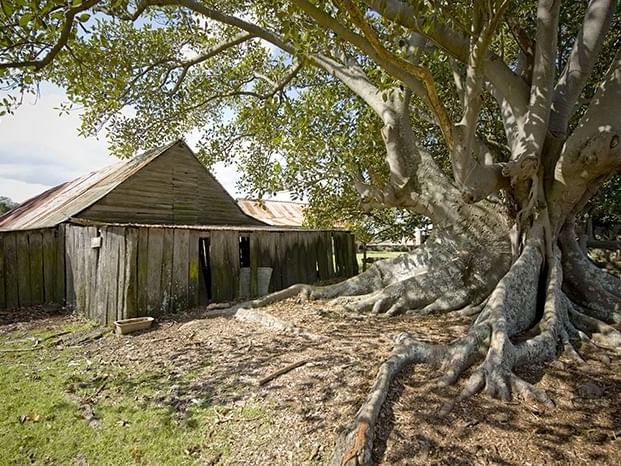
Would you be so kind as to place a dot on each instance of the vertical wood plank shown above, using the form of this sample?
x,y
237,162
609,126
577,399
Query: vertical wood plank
x,y
75,266
292,257
154,271
281,258
49,265
316,248
131,276
82,275
353,259
23,270
61,292
120,270
269,257
100,309
143,267
194,269
92,259
322,256
181,249
339,254
330,245
10,273
167,269
224,253
35,246
2,288
254,264
311,257
110,275
69,266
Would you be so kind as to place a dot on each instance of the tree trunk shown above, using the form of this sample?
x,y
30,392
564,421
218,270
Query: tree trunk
x,y
512,273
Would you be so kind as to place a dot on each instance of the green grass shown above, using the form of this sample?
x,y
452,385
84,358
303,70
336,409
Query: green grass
x,y
41,423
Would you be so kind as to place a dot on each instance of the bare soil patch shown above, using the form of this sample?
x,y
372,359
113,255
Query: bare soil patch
x,y
221,360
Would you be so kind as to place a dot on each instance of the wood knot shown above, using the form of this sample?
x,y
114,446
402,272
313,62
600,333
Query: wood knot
x,y
522,169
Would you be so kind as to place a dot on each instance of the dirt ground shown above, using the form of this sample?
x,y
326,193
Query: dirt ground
x,y
307,406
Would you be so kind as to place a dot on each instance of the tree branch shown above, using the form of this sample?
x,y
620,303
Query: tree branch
x,y
511,86
417,71
60,43
466,169
541,89
584,55
603,113
526,157
185,67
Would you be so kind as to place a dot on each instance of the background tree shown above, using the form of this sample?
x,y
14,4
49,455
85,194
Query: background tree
x,y
6,204
496,120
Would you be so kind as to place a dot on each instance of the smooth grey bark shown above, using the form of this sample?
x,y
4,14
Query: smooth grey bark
x,y
584,55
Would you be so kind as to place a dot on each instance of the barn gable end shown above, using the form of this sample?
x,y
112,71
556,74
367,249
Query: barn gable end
x,y
174,188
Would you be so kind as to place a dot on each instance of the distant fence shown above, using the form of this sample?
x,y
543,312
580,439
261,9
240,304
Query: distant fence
x,y
110,272
32,267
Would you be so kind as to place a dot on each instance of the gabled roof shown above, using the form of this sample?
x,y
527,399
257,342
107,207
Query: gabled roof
x,y
61,203
279,213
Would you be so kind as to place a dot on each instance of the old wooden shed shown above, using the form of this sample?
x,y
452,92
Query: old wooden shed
x,y
152,235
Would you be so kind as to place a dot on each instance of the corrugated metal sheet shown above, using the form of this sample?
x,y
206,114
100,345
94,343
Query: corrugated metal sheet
x,y
240,228
62,202
274,212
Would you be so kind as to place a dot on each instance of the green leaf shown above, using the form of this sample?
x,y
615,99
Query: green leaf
x,y
25,20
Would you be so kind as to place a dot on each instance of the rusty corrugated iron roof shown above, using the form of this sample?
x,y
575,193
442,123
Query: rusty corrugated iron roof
x,y
277,213
60,203
239,228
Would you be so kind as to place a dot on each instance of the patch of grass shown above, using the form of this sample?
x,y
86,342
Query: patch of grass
x,y
139,421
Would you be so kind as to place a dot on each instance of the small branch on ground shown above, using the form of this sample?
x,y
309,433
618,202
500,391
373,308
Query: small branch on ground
x,y
284,370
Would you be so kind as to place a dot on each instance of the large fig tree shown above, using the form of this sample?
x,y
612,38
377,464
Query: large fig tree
x,y
497,120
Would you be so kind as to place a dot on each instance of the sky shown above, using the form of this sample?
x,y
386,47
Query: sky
x,y
40,149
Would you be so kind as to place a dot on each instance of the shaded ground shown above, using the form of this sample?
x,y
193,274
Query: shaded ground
x,y
204,374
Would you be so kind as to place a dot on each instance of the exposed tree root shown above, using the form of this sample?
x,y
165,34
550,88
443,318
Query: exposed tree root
x,y
494,340
587,285
523,314
356,443
443,275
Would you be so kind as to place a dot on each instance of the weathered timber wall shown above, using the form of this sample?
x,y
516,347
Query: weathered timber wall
x,y
173,189
141,271
32,267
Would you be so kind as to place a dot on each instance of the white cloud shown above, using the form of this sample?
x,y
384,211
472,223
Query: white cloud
x,y
40,149
19,191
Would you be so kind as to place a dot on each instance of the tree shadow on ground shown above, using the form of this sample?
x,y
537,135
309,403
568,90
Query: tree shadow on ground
x,y
187,361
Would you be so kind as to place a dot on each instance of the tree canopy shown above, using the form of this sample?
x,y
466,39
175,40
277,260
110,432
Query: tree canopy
x,y
6,204
260,81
